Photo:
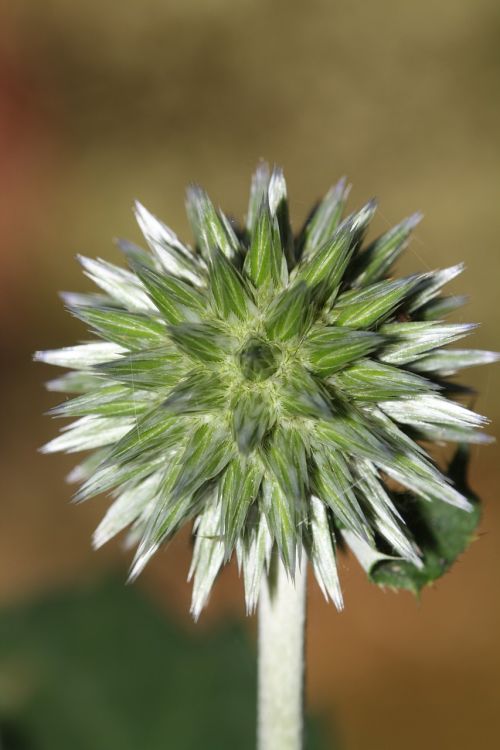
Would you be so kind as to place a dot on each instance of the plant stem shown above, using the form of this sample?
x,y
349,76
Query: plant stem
x,y
282,607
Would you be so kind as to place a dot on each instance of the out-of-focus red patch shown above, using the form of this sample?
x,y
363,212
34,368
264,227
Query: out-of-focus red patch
x,y
25,152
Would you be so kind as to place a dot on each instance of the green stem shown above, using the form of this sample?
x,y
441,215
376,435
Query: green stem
x,y
282,608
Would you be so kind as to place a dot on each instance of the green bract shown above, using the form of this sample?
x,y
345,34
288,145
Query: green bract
x,y
274,390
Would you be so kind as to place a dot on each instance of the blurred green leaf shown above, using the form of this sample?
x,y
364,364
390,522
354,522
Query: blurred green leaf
x,y
443,532
102,669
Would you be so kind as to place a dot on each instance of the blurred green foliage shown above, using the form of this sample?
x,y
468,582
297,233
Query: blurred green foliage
x,y
101,668
444,532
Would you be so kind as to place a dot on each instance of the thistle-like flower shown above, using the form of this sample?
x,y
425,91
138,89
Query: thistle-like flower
x,y
273,389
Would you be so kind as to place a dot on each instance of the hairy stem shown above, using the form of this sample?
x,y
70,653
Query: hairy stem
x,y
282,607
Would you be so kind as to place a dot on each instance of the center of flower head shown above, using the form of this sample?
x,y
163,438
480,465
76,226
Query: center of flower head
x,y
258,359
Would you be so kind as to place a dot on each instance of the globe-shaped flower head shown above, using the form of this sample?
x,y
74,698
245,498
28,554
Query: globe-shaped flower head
x,y
273,389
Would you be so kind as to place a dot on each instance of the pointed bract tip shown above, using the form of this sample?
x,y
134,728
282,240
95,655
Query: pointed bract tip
x,y
148,223
482,438
142,215
126,246
195,611
277,173
140,563
78,497
414,220
51,447
339,191
340,185
90,264
277,189
461,299
262,168
490,357
194,192
138,207
363,216
343,188
467,326
75,476
99,539
459,501
460,329
71,299
445,275
250,607
455,270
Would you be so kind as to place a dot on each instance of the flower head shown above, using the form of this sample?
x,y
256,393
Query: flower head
x,y
273,389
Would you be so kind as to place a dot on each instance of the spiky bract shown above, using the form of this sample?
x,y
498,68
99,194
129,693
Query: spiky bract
x,y
266,387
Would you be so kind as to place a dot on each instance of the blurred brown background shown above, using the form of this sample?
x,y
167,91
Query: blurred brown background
x,y
104,102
